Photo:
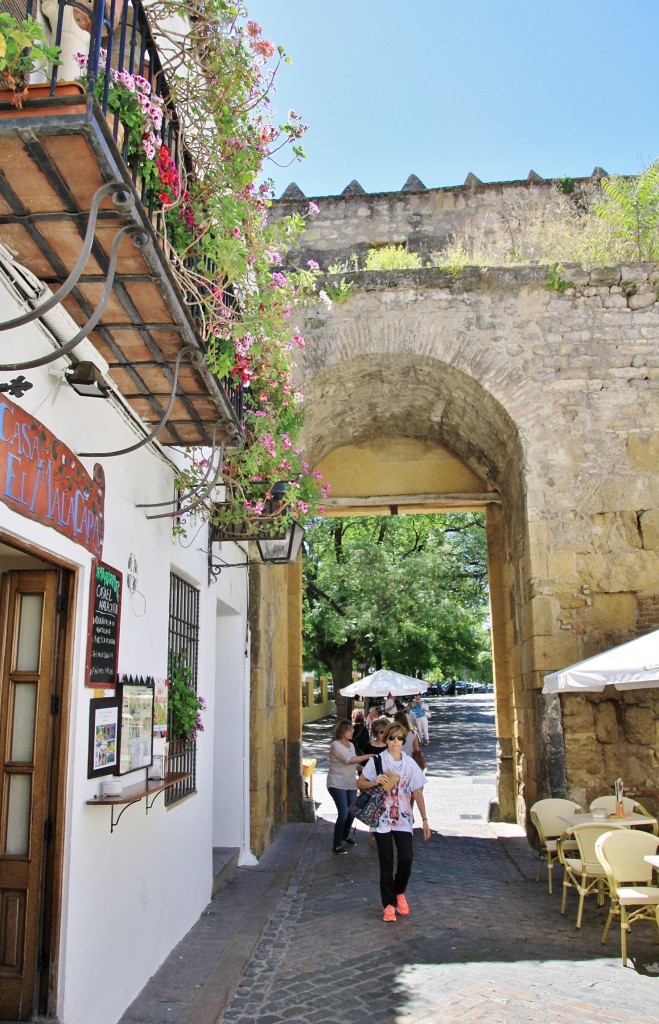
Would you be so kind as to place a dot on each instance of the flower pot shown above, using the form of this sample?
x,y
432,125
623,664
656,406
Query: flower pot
x,y
39,101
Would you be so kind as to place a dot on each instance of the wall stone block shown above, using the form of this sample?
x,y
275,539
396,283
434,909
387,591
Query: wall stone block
x,y
606,722
638,725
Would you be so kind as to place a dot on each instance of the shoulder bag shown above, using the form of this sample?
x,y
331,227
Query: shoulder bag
x,y
368,807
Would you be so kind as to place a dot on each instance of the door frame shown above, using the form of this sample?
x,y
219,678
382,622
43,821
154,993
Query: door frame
x,y
47,980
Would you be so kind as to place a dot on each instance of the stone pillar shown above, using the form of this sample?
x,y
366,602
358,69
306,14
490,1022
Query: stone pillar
x,y
295,782
505,807
269,678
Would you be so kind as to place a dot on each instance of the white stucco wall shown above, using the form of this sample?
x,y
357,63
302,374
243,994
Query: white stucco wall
x,y
128,897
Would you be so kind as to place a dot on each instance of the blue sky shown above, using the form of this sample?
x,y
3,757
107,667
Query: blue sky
x,y
439,89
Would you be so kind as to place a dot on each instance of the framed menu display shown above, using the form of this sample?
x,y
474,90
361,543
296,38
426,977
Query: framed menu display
x,y
136,730
103,737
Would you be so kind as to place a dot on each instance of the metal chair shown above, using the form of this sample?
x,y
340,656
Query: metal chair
x,y
622,855
546,815
583,872
629,806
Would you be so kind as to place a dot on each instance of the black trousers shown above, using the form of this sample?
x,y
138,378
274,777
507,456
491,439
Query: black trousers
x,y
392,884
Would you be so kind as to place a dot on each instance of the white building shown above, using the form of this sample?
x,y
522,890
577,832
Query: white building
x,y
95,896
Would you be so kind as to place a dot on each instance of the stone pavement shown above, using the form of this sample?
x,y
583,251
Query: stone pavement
x,y
300,937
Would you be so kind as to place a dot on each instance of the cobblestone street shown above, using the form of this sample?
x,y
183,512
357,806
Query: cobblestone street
x,y
483,941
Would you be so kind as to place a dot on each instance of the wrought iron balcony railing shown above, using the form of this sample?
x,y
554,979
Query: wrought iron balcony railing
x,y
115,36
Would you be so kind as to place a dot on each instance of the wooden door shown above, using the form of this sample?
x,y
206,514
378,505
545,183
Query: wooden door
x,y
28,719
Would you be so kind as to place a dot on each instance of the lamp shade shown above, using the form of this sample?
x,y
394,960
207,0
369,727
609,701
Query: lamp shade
x,y
87,380
282,550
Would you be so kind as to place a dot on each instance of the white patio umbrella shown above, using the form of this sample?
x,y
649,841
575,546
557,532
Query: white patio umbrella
x,y
630,666
383,682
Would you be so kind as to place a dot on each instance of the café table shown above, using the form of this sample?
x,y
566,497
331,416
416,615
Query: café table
x,y
652,859
633,820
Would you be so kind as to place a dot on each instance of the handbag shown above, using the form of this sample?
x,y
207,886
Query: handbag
x,y
419,758
368,807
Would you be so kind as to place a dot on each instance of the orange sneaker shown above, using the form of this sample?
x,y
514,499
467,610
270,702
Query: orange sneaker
x,y
389,913
401,904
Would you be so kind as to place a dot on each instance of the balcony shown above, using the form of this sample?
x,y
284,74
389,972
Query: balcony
x,y
56,153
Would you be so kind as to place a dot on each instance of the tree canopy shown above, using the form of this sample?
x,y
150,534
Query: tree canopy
x,y
402,592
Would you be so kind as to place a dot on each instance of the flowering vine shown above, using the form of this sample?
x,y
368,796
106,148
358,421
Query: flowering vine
x,y
229,255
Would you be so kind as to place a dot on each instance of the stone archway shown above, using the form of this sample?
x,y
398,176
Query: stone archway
x,y
540,404
511,386
418,436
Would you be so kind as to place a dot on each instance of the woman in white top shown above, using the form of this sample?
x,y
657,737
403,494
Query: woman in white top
x,y
395,826
341,781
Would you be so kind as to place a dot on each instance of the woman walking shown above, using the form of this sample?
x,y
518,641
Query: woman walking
x,y
411,745
394,831
341,781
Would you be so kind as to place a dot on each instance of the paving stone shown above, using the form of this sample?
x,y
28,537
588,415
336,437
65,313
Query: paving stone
x,y
484,942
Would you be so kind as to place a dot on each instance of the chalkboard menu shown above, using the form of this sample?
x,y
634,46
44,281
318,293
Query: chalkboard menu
x,y
104,618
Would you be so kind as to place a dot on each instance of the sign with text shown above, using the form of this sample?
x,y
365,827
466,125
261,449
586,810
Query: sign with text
x,y
104,619
42,479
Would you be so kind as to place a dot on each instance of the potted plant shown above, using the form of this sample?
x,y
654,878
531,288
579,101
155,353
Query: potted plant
x,y
23,51
138,109
184,703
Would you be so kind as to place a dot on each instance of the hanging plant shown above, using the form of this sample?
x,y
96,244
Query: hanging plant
x,y
230,257
184,703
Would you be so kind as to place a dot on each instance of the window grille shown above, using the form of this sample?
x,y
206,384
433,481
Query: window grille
x,y
183,641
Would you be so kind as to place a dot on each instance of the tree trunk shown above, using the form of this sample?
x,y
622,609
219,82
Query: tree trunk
x,y
340,665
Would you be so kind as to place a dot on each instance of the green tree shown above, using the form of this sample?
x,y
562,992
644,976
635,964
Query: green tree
x,y
401,592
630,206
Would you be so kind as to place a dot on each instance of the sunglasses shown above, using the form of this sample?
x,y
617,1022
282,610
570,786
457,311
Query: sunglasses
x,y
390,739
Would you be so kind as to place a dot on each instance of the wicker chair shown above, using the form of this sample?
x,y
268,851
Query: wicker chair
x,y
547,816
583,872
622,855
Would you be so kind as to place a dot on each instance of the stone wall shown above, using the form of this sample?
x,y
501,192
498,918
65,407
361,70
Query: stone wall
x,y
544,407
626,727
550,399
423,221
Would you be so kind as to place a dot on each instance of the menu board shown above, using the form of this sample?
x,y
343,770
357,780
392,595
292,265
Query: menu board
x,y
104,619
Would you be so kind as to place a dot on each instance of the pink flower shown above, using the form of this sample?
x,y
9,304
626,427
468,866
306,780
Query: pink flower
x,y
236,232
312,265
265,48
313,209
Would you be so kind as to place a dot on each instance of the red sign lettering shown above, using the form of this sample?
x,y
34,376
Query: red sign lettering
x,y
42,479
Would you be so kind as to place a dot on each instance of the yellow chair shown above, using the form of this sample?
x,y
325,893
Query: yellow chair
x,y
583,872
622,855
547,816
629,805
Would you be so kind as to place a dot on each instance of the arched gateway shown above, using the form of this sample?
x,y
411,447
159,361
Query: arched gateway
x,y
483,388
